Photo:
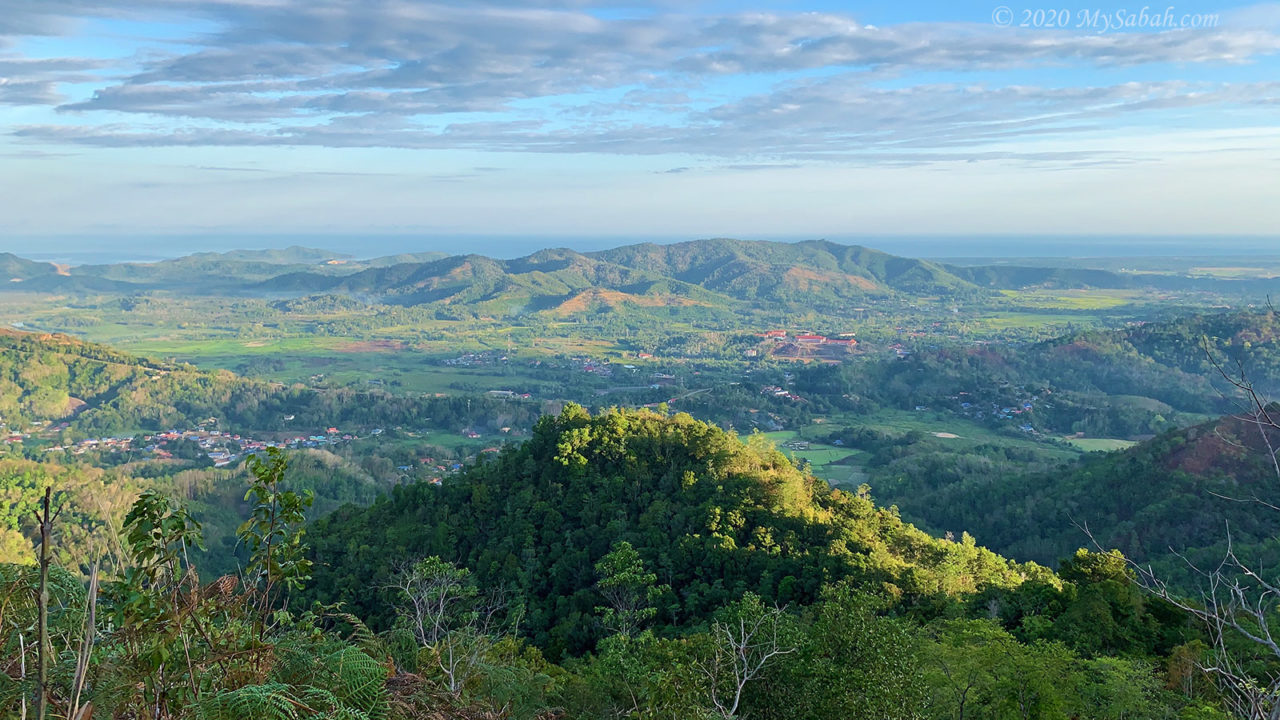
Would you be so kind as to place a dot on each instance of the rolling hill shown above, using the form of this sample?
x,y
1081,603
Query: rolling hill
x,y
718,272
814,272
725,274
14,269
706,272
1179,493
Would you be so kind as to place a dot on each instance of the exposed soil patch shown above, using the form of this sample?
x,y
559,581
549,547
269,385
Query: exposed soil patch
x,y
807,279
585,300
371,346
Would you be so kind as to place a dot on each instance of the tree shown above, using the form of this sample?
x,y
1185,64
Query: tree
x,y
274,531
849,662
958,673
449,617
155,601
746,638
628,588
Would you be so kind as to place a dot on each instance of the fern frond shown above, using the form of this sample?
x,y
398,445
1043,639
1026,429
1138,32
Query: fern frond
x,y
273,701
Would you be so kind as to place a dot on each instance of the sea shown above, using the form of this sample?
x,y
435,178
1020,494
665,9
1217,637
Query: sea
x,y
971,248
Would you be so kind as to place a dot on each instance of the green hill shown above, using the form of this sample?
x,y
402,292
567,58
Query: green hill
x,y
1176,494
14,269
664,564
1012,277
402,258
292,255
712,515
716,273
51,377
59,396
786,271
1132,382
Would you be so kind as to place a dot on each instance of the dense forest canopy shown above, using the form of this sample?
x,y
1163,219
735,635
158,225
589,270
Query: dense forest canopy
x,y
713,516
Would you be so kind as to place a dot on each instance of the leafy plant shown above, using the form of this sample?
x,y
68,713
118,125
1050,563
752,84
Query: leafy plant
x,y
274,531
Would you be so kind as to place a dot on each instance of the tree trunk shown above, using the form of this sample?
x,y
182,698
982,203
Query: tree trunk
x,y
42,682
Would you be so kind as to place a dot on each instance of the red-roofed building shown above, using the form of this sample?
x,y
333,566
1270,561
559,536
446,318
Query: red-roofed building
x,y
776,334
811,339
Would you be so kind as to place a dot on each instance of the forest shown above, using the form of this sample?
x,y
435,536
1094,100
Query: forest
x,y
623,564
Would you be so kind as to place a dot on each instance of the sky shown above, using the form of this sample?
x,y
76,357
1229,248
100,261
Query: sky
x,y
154,123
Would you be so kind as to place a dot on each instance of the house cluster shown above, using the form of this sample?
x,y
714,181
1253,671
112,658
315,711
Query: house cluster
x,y
437,470
779,392
594,367
808,338
981,409
222,448
900,350
508,395
10,435
476,359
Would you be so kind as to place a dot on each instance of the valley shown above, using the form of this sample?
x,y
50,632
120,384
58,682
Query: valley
x,y
814,345
922,403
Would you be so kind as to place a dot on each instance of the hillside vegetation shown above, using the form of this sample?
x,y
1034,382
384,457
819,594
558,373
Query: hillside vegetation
x,y
713,517
1181,492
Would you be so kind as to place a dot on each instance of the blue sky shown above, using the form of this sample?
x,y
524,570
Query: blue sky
x,y
365,118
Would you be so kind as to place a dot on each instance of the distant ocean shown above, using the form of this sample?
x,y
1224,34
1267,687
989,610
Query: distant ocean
x,y
83,251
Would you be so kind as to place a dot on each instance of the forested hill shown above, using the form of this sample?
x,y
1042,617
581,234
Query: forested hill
x,y
1132,382
691,566
708,272
769,270
51,379
47,377
1178,493
713,516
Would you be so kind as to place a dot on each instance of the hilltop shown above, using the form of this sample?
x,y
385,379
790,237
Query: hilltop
x,y
713,515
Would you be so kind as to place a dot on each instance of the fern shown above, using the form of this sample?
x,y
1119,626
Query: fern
x,y
19,608
312,679
273,701
360,681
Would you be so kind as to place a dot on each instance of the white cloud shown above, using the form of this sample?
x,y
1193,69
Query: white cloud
x,y
290,71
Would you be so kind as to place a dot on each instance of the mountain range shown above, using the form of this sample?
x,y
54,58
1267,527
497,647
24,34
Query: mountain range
x,y
716,272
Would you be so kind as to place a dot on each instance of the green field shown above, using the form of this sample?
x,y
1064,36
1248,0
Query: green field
x,y
1002,321
1073,299
838,466
1100,444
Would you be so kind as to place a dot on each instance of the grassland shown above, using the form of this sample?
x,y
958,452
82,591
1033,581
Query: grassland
x,y
1100,444
1005,321
1073,299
